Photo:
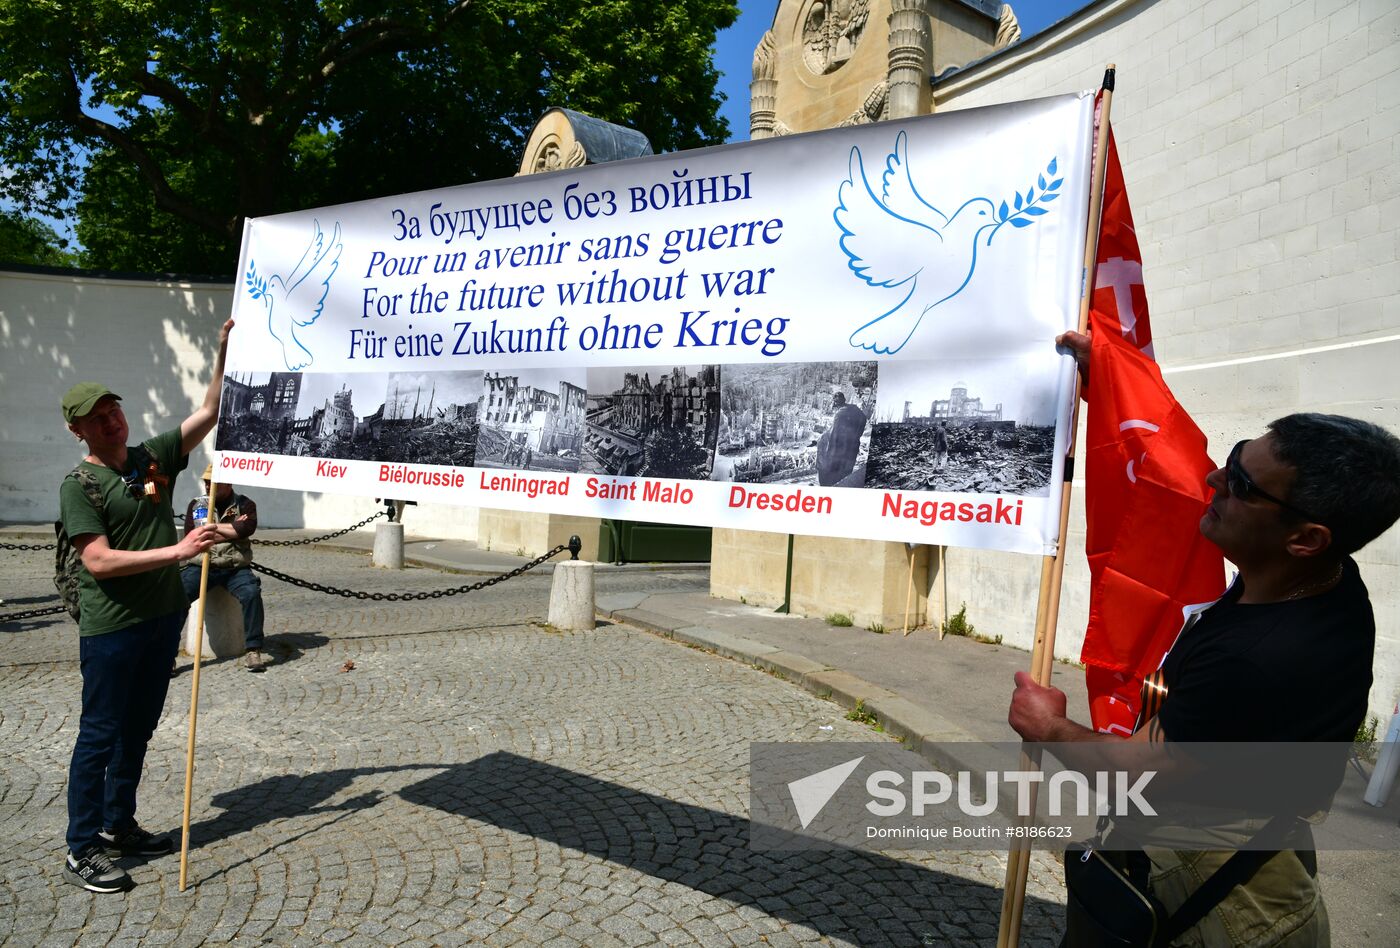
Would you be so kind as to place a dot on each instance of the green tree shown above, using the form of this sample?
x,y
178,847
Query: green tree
x,y
27,240
167,122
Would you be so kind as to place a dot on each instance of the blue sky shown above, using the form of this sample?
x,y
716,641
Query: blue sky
x,y
734,48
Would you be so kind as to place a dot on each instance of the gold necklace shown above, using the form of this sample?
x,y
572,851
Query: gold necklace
x,y
1297,593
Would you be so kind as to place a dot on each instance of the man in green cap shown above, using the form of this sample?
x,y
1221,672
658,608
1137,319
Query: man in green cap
x,y
116,508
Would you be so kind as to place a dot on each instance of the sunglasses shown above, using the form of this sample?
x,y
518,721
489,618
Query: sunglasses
x,y
1243,487
134,483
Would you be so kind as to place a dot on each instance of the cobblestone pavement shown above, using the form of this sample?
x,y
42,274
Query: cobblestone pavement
x,y
476,778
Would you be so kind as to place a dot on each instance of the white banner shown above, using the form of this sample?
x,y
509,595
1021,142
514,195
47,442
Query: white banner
x,y
844,333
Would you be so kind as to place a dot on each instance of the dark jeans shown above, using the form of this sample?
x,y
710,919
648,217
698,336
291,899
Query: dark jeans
x,y
125,677
243,583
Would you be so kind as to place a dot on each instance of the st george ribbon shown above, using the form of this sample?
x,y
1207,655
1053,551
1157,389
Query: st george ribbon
x,y
842,333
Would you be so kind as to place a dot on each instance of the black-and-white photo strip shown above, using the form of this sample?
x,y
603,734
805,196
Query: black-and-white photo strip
x,y
257,411
406,417
427,418
532,420
652,421
796,423
967,426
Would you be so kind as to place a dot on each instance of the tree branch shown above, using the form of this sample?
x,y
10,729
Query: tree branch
x,y
359,41
165,197
372,36
173,96
345,48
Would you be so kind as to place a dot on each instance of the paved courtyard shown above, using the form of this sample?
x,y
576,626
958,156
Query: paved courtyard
x,y
474,778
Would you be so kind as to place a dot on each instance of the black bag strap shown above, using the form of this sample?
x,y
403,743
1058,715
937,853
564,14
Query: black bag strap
x,y
1237,870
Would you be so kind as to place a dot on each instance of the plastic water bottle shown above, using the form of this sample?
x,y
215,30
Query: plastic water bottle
x,y
200,515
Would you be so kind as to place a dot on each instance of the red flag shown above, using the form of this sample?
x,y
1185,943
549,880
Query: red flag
x,y
1119,295
1145,491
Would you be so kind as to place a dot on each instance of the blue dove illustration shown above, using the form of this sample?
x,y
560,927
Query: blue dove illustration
x,y
934,254
298,298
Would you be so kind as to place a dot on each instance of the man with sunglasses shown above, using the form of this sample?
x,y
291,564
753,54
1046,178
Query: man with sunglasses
x,y
132,609
1285,655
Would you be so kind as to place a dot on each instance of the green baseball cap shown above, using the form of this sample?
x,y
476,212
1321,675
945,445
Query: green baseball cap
x,y
79,399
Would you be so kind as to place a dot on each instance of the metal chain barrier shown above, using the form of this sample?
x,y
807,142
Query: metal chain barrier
x,y
328,536
407,597
27,547
43,610
33,613
572,546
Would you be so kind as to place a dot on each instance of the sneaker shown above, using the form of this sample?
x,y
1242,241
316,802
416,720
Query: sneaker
x,y
134,842
253,661
92,870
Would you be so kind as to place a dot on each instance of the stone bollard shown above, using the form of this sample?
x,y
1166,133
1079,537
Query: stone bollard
x,y
223,625
388,546
571,603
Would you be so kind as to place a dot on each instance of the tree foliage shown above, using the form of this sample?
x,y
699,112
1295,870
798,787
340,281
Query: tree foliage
x,y
167,122
30,241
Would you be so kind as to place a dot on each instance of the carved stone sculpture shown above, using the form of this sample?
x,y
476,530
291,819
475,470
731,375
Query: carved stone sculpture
x,y
1008,28
830,31
873,110
563,138
551,157
763,91
911,55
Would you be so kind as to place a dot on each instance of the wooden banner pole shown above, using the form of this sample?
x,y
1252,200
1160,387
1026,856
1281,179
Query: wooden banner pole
x,y
1017,856
911,549
943,578
1052,568
194,692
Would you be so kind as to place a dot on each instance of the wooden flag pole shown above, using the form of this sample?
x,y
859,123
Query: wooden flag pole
x,y
1052,568
194,691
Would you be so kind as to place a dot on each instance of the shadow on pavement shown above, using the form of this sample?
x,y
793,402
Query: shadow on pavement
x,y
865,897
868,898
18,601
277,650
286,796
290,646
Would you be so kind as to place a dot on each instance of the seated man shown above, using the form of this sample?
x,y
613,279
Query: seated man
x,y
229,560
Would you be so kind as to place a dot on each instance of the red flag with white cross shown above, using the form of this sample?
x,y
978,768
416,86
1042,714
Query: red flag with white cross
x,y
1119,295
1145,490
